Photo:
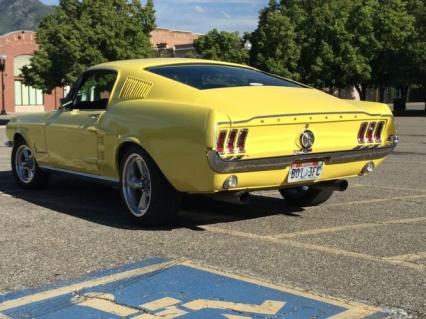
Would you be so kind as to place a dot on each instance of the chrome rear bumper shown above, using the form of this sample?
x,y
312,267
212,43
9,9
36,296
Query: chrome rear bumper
x,y
275,163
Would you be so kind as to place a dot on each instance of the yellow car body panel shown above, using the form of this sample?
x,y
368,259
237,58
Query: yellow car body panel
x,y
178,125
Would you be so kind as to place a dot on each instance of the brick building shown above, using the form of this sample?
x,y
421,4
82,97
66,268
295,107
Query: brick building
x,y
19,46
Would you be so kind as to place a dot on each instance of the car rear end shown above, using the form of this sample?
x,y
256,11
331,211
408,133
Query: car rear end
x,y
270,152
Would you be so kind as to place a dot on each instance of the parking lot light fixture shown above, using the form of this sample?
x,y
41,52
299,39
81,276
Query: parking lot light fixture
x,y
248,45
2,69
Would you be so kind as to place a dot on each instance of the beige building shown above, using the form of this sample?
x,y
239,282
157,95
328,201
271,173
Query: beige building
x,y
173,42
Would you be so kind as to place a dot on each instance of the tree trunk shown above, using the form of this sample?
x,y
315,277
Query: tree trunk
x,y
404,96
362,91
382,94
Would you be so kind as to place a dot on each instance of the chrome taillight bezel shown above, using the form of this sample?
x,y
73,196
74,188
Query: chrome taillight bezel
x,y
378,132
361,132
241,141
369,136
220,142
231,141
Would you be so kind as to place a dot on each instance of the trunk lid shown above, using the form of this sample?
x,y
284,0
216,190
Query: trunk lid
x,y
245,103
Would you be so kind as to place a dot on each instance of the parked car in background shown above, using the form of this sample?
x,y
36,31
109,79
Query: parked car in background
x,y
164,127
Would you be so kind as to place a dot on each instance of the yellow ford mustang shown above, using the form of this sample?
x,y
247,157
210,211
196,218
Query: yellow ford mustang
x,y
164,127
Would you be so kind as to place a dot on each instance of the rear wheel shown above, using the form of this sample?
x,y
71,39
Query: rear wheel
x,y
306,196
148,196
25,169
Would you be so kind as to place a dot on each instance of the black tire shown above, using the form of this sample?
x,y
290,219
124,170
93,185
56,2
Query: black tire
x,y
306,196
164,200
39,179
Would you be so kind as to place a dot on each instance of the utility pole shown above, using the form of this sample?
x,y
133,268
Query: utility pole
x,y
3,87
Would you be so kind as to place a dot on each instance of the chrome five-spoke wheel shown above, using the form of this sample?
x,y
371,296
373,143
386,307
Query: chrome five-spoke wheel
x,y
136,183
150,199
25,169
25,165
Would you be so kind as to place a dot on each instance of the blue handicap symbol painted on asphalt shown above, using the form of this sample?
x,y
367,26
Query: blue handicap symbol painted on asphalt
x,y
160,288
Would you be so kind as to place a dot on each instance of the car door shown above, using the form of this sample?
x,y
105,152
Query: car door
x,y
71,134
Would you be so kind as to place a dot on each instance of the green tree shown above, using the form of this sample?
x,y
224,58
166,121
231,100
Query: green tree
x,y
320,42
331,38
79,34
275,49
394,31
361,25
221,45
416,49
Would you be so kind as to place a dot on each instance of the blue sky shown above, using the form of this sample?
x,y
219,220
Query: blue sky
x,y
203,15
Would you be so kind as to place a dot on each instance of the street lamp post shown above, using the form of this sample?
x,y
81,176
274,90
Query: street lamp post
x,y
2,69
247,47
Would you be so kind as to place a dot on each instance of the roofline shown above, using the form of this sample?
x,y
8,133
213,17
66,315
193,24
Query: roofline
x,y
151,62
17,31
177,30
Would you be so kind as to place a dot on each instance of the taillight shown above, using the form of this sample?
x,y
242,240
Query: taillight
x,y
232,142
220,144
361,132
370,132
378,132
230,146
241,142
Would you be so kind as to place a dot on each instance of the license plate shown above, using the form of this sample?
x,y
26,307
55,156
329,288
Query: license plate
x,y
304,171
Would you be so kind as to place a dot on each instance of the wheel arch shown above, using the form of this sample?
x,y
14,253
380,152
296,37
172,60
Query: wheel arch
x,y
20,135
124,145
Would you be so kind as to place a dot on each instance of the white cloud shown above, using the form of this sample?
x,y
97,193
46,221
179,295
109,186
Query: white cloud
x,y
199,9
226,15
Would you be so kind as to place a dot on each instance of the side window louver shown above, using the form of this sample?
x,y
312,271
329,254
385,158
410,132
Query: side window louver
x,y
134,89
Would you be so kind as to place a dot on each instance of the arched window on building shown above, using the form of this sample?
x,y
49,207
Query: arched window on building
x,y
25,95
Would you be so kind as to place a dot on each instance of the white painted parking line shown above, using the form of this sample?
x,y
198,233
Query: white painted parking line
x,y
393,188
370,201
319,231
405,161
409,257
319,248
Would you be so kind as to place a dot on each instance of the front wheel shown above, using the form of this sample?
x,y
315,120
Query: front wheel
x,y
148,196
25,169
305,196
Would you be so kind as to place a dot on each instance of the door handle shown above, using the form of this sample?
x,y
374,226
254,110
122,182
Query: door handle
x,y
94,116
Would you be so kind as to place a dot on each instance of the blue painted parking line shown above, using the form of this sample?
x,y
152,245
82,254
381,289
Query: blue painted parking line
x,y
161,288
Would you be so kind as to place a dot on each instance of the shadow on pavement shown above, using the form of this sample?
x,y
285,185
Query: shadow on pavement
x,y
102,204
411,113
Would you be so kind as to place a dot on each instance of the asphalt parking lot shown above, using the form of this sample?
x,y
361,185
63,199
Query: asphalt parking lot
x,y
366,245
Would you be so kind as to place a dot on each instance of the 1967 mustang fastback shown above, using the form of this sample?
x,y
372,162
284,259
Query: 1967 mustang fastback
x,y
164,127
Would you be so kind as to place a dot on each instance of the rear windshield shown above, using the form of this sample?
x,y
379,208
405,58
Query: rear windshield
x,y
213,76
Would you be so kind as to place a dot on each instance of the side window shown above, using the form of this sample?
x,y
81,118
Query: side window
x,y
95,90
